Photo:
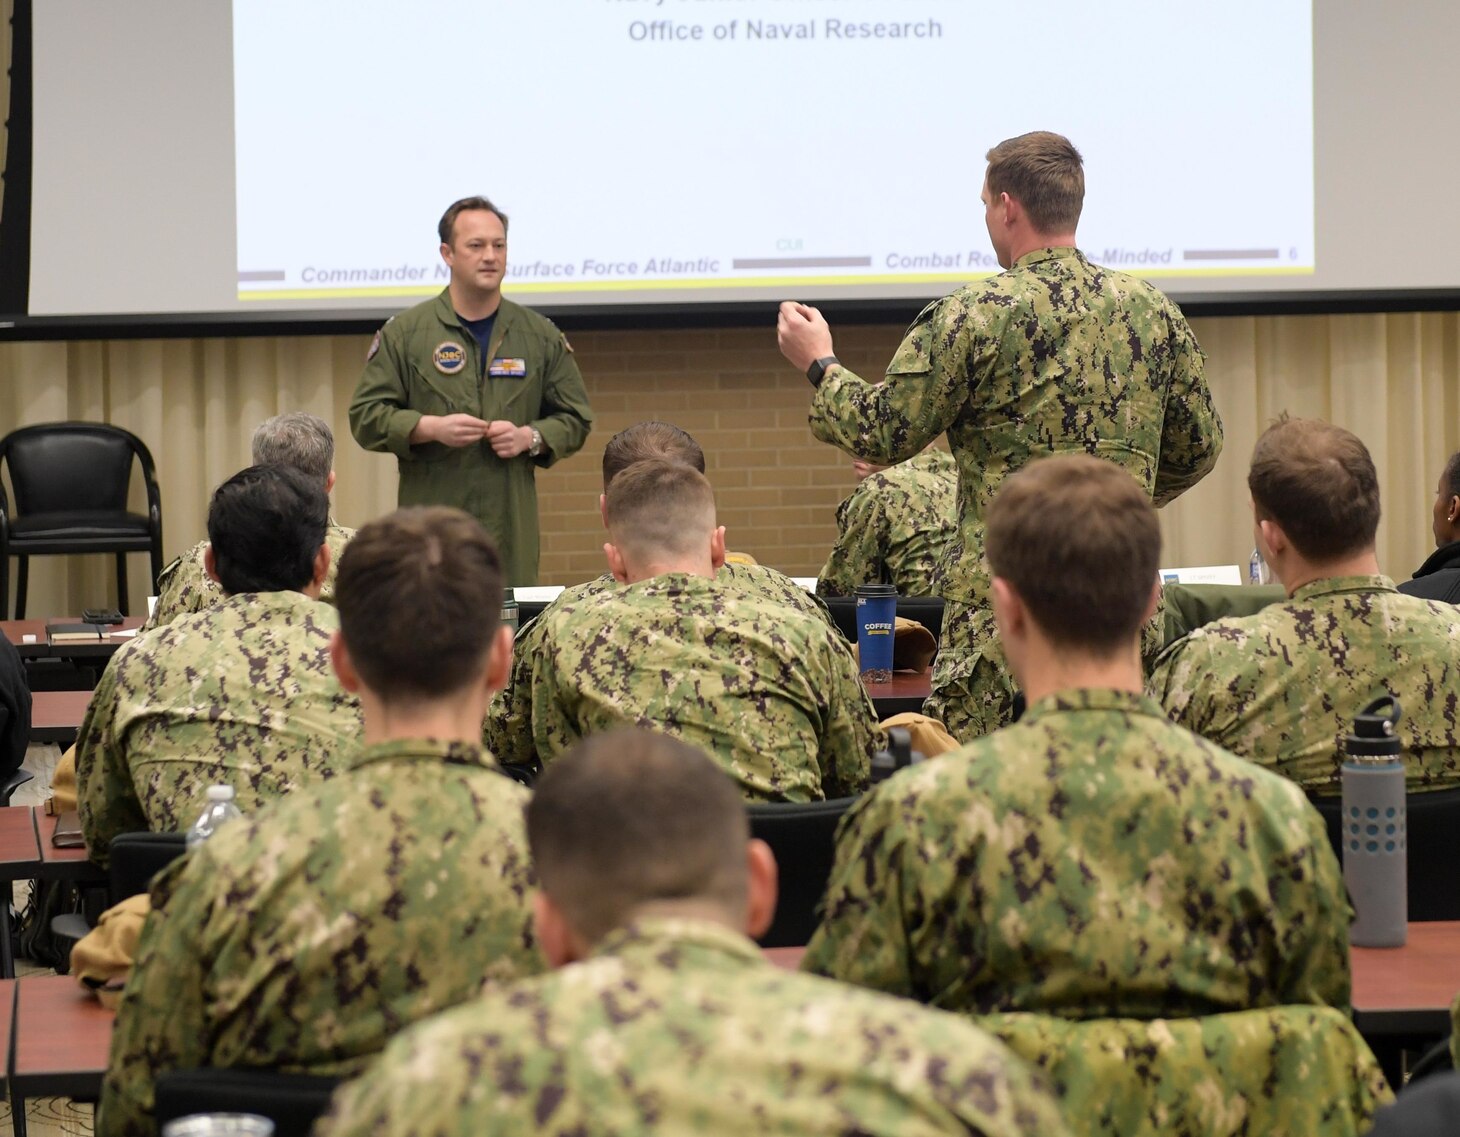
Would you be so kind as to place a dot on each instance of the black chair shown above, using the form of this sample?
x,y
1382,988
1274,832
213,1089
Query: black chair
x,y
803,838
70,481
1431,1109
926,610
291,1101
137,857
1433,824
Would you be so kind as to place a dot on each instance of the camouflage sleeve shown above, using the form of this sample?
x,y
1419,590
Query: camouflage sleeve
x,y
106,799
507,732
862,540
1191,435
1180,681
1313,906
183,587
850,735
862,939
927,384
161,1023
554,727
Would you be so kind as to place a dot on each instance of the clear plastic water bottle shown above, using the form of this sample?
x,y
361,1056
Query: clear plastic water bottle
x,y
1375,837
1257,570
219,811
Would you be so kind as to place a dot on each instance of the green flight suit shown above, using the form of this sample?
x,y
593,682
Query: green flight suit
x,y
425,363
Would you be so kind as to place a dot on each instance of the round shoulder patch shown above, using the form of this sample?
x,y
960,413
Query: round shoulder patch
x,y
449,357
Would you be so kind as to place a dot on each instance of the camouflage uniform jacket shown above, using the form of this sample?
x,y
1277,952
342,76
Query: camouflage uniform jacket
x,y
1054,356
304,937
508,729
769,692
1091,861
1281,688
679,1028
896,528
241,693
185,585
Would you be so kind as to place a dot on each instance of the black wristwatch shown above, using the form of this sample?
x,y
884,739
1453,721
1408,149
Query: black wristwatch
x,y
817,371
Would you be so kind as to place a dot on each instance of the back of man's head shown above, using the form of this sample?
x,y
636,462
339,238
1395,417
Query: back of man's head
x,y
648,440
266,524
1044,173
419,594
1318,483
657,510
1077,538
296,439
631,818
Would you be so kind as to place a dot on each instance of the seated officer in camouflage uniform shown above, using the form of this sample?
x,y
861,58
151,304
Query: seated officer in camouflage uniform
x,y
508,731
895,528
772,693
1092,860
300,440
1282,687
240,693
304,936
665,1018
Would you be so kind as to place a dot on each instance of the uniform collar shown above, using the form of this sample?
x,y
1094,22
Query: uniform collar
x,y
1443,557
658,934
262,603
1050,253
1094,699
425,750
446,313
1336,585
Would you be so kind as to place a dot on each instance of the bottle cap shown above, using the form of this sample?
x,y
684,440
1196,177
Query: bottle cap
x,y
220,793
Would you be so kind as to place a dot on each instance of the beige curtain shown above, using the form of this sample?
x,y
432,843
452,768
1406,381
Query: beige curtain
x,y
1393,379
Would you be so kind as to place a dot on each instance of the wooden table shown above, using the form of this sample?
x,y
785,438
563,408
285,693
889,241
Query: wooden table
x,y
55,716
26,853
16,631
1407,991
60,1042
904,692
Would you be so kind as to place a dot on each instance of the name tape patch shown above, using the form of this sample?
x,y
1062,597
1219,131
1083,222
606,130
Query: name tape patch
x,y
508,368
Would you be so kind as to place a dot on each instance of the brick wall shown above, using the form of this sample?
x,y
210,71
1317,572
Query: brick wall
x,y
776,487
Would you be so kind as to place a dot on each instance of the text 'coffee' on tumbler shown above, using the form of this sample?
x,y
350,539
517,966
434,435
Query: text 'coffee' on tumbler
x,y
1374,827
876,628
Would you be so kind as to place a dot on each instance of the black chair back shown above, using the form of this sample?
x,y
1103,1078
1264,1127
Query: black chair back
x,y
803,838
137,857
1433,824
71,466
291,1101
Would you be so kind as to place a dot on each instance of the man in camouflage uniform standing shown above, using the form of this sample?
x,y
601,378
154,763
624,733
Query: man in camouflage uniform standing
x,y
508,729
772,693
307,935
1056,355
240,693
895,528
664,1017
1281,687
296,439
1093,860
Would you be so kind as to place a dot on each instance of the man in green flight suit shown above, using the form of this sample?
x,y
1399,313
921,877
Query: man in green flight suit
x,y
472,393
1055,355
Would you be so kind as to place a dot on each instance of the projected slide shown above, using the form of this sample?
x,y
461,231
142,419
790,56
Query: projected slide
x,y
656,150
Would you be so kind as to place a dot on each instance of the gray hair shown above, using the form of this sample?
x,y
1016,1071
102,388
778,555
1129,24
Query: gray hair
x,y
296,439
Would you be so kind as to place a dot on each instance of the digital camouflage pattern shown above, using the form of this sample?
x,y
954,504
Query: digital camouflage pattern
x,y
681,1029
895,528
1090,861
1281,687
1057,355
306,936
402,381
1279,1072
185,585
241,694
508,729
769,692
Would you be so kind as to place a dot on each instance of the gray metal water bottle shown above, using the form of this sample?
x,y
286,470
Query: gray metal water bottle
x,y
1374,827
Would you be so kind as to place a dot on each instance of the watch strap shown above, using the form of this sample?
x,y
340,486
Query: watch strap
x,y
817,371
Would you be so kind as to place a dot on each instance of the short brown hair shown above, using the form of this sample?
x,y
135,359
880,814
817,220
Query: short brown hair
x,y
656,506
420,599
1044,173
646,440
1077,538
1318,482
445,228
630,817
